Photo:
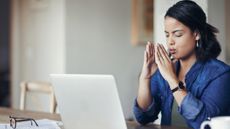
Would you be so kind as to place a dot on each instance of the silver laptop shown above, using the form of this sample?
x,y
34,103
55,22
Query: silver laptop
x,y
88,101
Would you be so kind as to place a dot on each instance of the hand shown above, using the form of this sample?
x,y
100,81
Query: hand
x,y
165,65
149,65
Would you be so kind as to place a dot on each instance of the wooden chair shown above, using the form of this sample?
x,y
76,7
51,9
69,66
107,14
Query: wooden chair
x,y
41,87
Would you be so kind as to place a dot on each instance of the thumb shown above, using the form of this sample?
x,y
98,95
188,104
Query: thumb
x,y
145,57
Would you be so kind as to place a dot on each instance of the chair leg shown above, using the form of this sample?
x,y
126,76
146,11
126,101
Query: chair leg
x,y
23,96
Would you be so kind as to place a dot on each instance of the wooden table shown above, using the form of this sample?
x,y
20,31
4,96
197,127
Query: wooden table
x,y
6,112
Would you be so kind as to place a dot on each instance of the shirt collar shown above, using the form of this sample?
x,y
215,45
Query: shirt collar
x,y
193,72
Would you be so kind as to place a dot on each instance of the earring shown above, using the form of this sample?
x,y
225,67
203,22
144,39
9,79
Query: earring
x,y
197,43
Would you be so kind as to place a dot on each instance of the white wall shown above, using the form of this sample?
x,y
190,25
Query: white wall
x,y
38,47
227,23
98,42
217,18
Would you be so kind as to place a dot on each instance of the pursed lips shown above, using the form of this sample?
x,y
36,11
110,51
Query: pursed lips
x,y
172,51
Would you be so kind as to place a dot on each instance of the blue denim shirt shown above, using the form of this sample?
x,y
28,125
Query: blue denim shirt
x,y
208,95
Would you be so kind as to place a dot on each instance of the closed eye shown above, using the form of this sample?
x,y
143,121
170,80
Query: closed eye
x,y
178,35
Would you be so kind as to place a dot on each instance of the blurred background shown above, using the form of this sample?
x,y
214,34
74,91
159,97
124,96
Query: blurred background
x,y
39,37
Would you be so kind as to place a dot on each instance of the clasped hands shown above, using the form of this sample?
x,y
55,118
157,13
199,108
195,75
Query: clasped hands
x,y
156,56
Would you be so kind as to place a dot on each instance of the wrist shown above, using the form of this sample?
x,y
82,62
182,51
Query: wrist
x,y
173,83
180,87
143,77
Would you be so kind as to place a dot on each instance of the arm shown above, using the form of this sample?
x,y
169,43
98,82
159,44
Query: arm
x,y
149,113
144,109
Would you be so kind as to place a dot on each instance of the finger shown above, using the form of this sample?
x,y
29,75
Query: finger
x,y
147,52
145,57
149,55
156,55
149,49
166,53
163,53
152,49
159,54
146,47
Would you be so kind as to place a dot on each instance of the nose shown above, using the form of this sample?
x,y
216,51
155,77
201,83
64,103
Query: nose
x,y
170,41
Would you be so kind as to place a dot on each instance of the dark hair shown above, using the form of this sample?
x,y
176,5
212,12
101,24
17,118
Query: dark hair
x,y
191,15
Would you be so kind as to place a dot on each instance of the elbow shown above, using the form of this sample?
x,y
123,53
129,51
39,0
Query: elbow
x,y
144,120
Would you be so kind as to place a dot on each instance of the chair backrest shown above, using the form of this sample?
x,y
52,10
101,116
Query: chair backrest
x,y
41,87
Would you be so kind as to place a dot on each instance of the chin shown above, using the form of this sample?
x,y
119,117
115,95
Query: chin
x,y
178,56
174,56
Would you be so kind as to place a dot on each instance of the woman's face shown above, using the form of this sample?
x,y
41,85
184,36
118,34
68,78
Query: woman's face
x,y
181,41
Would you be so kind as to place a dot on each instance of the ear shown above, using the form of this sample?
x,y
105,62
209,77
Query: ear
x,y
197,35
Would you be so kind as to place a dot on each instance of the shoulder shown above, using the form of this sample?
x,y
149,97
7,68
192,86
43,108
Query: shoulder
x,y
214,68
213,73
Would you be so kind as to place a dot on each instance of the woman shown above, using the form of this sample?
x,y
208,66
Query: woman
x,y
194,88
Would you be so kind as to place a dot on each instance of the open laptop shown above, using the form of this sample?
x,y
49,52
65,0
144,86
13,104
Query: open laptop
x,y
88,101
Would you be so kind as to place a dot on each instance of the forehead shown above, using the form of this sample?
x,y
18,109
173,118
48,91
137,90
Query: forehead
x,y
171,24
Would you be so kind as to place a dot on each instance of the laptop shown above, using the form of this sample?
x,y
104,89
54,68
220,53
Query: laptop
x,y
88,101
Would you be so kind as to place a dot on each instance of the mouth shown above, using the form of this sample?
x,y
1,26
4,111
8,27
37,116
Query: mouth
x,y
172,51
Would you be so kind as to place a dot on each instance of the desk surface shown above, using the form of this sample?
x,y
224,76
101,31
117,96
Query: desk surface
x,y
5,112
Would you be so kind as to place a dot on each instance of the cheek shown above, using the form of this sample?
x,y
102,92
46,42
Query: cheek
x,y
185,47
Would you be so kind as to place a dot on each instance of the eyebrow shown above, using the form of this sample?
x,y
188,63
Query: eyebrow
x,y
173,31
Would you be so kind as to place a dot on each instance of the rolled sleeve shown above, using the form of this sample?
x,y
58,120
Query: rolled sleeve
x,y
190,107
146,116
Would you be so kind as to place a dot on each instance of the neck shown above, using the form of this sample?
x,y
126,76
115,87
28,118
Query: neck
x,y
186,64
